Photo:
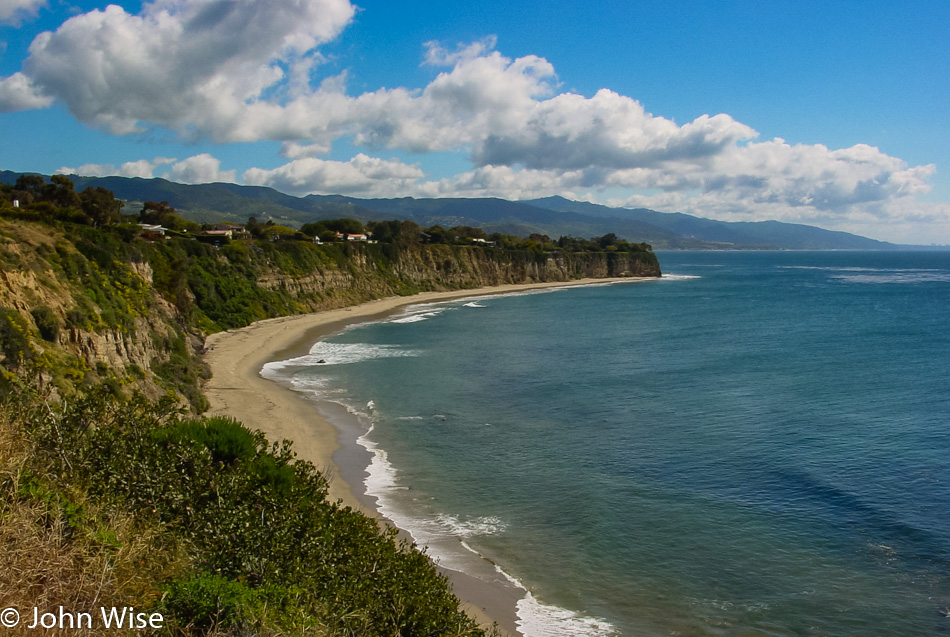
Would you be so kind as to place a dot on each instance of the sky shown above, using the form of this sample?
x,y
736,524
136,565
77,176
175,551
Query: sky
x,y
833,113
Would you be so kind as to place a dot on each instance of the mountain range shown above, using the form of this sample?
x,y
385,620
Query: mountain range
x,y
553,216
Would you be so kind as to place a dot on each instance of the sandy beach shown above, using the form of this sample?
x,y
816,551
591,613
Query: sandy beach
x,y
237,389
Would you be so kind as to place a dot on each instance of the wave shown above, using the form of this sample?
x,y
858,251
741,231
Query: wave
x,y
471,527
857,274
536,619
325,353
473,304
310,385
415,318
443,534
679,277
382,482
896,276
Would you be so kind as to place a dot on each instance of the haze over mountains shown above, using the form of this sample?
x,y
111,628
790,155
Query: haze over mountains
x,y
553,216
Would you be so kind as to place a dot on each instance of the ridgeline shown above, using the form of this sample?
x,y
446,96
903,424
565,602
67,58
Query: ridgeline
x,y
115,492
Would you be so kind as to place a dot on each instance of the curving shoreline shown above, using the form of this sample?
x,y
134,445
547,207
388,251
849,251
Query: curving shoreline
x,y
237,389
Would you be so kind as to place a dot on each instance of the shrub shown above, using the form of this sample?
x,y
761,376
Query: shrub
x,y
226,438
46,322
208,602
80,317
14,341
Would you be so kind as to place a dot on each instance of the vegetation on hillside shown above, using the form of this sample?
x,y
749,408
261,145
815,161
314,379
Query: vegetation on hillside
x,y
114,501
112,498
213,280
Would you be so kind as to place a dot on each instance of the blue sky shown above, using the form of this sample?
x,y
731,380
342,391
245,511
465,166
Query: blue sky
x,y
829,113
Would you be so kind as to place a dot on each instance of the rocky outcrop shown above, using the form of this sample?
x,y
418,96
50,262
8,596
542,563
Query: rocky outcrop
x,y
29,280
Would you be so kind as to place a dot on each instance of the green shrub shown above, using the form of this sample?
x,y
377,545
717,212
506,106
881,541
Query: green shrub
x,y
14,335
46,322
81,317
208,602
226,438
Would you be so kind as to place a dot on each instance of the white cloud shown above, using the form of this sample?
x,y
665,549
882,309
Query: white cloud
x,y
14,11
200,169
293,150
18,93
857,189
196,66
362,175
239,72
437,55
503,181
140,168
607,131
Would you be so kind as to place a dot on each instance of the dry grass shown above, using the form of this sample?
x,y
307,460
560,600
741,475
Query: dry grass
x,y
49,559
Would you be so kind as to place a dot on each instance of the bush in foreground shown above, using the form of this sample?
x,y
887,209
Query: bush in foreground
x,y
204,521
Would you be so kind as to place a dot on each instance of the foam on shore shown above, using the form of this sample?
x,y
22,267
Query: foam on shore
x,y
444,535
245,363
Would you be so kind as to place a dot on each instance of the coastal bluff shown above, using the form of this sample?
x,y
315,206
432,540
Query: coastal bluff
x,y
369,273
107,304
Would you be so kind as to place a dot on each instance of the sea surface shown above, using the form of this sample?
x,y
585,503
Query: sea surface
x,y
756,444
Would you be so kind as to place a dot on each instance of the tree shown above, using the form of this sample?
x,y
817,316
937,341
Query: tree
x,y
400,232
100,205
254,227
469,232
314,229
346,226
607,240
155,213
275,231
164,215
61,192
31,184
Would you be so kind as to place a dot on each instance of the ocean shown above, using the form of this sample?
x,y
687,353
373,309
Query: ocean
x,y
756,444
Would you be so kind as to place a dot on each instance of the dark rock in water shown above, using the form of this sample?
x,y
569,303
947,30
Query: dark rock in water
x,y
321,361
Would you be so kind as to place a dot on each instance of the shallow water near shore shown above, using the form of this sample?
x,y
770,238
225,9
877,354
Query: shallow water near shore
x,y
759,444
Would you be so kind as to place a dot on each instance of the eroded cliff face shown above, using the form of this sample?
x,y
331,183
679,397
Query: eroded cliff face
x,y
442,267
30,279
117,308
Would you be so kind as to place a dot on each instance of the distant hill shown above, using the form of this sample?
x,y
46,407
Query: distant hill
x,y
553,216
789,236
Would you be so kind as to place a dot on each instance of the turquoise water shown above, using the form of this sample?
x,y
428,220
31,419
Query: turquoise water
x,y
758,444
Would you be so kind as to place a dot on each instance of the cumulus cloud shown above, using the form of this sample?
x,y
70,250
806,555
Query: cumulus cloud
x,y
606,131
200,169
362,175
14,11
18,93
196,66
777,180
505,182
240,72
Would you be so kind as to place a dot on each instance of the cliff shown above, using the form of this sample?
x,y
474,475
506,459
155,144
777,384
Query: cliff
x,y
369,272
80,304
